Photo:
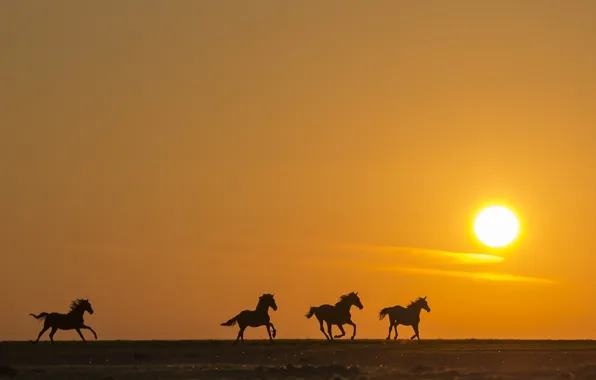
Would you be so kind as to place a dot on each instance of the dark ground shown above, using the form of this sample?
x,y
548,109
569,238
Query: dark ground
x,y
300,359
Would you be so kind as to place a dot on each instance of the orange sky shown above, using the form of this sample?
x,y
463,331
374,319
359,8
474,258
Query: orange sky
x,y
173,160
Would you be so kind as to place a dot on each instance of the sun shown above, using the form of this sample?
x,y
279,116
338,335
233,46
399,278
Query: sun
x,y
496,226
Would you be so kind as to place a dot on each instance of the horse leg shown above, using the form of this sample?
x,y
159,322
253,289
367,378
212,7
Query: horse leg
x,y
269,332
329,325
323,329
343,333
240,335
273,328
416,333
353,325
90,329
395,328
45,328
81,335
54,329
390,327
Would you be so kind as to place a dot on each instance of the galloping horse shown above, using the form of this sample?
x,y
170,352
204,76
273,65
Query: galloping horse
x,y
407,316
337,315
255,318
71,321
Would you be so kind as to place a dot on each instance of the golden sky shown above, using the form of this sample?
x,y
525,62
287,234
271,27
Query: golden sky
x,y
173,160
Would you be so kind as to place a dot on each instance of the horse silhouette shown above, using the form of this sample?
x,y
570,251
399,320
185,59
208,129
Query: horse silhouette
x,y
338,314
407,316
255,318
71,321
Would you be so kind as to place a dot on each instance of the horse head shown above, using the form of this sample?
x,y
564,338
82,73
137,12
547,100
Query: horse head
x,y
82,304
355,300
269,300
423,304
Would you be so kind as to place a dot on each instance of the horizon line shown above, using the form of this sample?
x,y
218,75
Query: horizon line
x,y
314,339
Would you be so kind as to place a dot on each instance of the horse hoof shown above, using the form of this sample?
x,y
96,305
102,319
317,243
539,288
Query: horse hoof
x,y
352,338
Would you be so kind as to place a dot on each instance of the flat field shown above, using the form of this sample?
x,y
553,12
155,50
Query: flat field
x,y
300,359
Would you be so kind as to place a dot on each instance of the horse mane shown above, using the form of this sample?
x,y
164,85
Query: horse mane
x,y
264,297
74,305
344,298
414,303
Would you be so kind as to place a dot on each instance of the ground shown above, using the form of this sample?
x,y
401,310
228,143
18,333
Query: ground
x,y
300,359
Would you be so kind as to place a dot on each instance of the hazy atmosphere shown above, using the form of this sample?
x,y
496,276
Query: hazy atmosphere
x,y
174,160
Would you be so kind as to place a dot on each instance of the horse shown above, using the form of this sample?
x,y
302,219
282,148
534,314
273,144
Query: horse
x,y
71,321
255,318
407,316
339,314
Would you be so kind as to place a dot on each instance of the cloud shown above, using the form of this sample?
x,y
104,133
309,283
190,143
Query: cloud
x,y
421,260
459,257
476,275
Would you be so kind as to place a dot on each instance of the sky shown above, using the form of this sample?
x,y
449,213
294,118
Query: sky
x,y
174,160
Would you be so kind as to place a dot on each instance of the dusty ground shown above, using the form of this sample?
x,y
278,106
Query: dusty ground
x,y
300,359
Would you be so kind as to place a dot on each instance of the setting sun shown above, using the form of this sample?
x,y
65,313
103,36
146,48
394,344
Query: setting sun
x,y
496,226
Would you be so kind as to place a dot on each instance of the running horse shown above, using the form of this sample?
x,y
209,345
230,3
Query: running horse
x,y
407,316
71,321
255,318
338,314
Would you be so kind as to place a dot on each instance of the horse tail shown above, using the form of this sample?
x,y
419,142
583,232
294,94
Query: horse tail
x,y
384,312
40,316
231,322
311,312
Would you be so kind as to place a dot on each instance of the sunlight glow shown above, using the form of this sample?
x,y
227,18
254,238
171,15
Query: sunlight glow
x,y
477,258
496,226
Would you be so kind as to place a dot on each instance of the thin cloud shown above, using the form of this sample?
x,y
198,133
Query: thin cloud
x,y
475,275
460,257
422,257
